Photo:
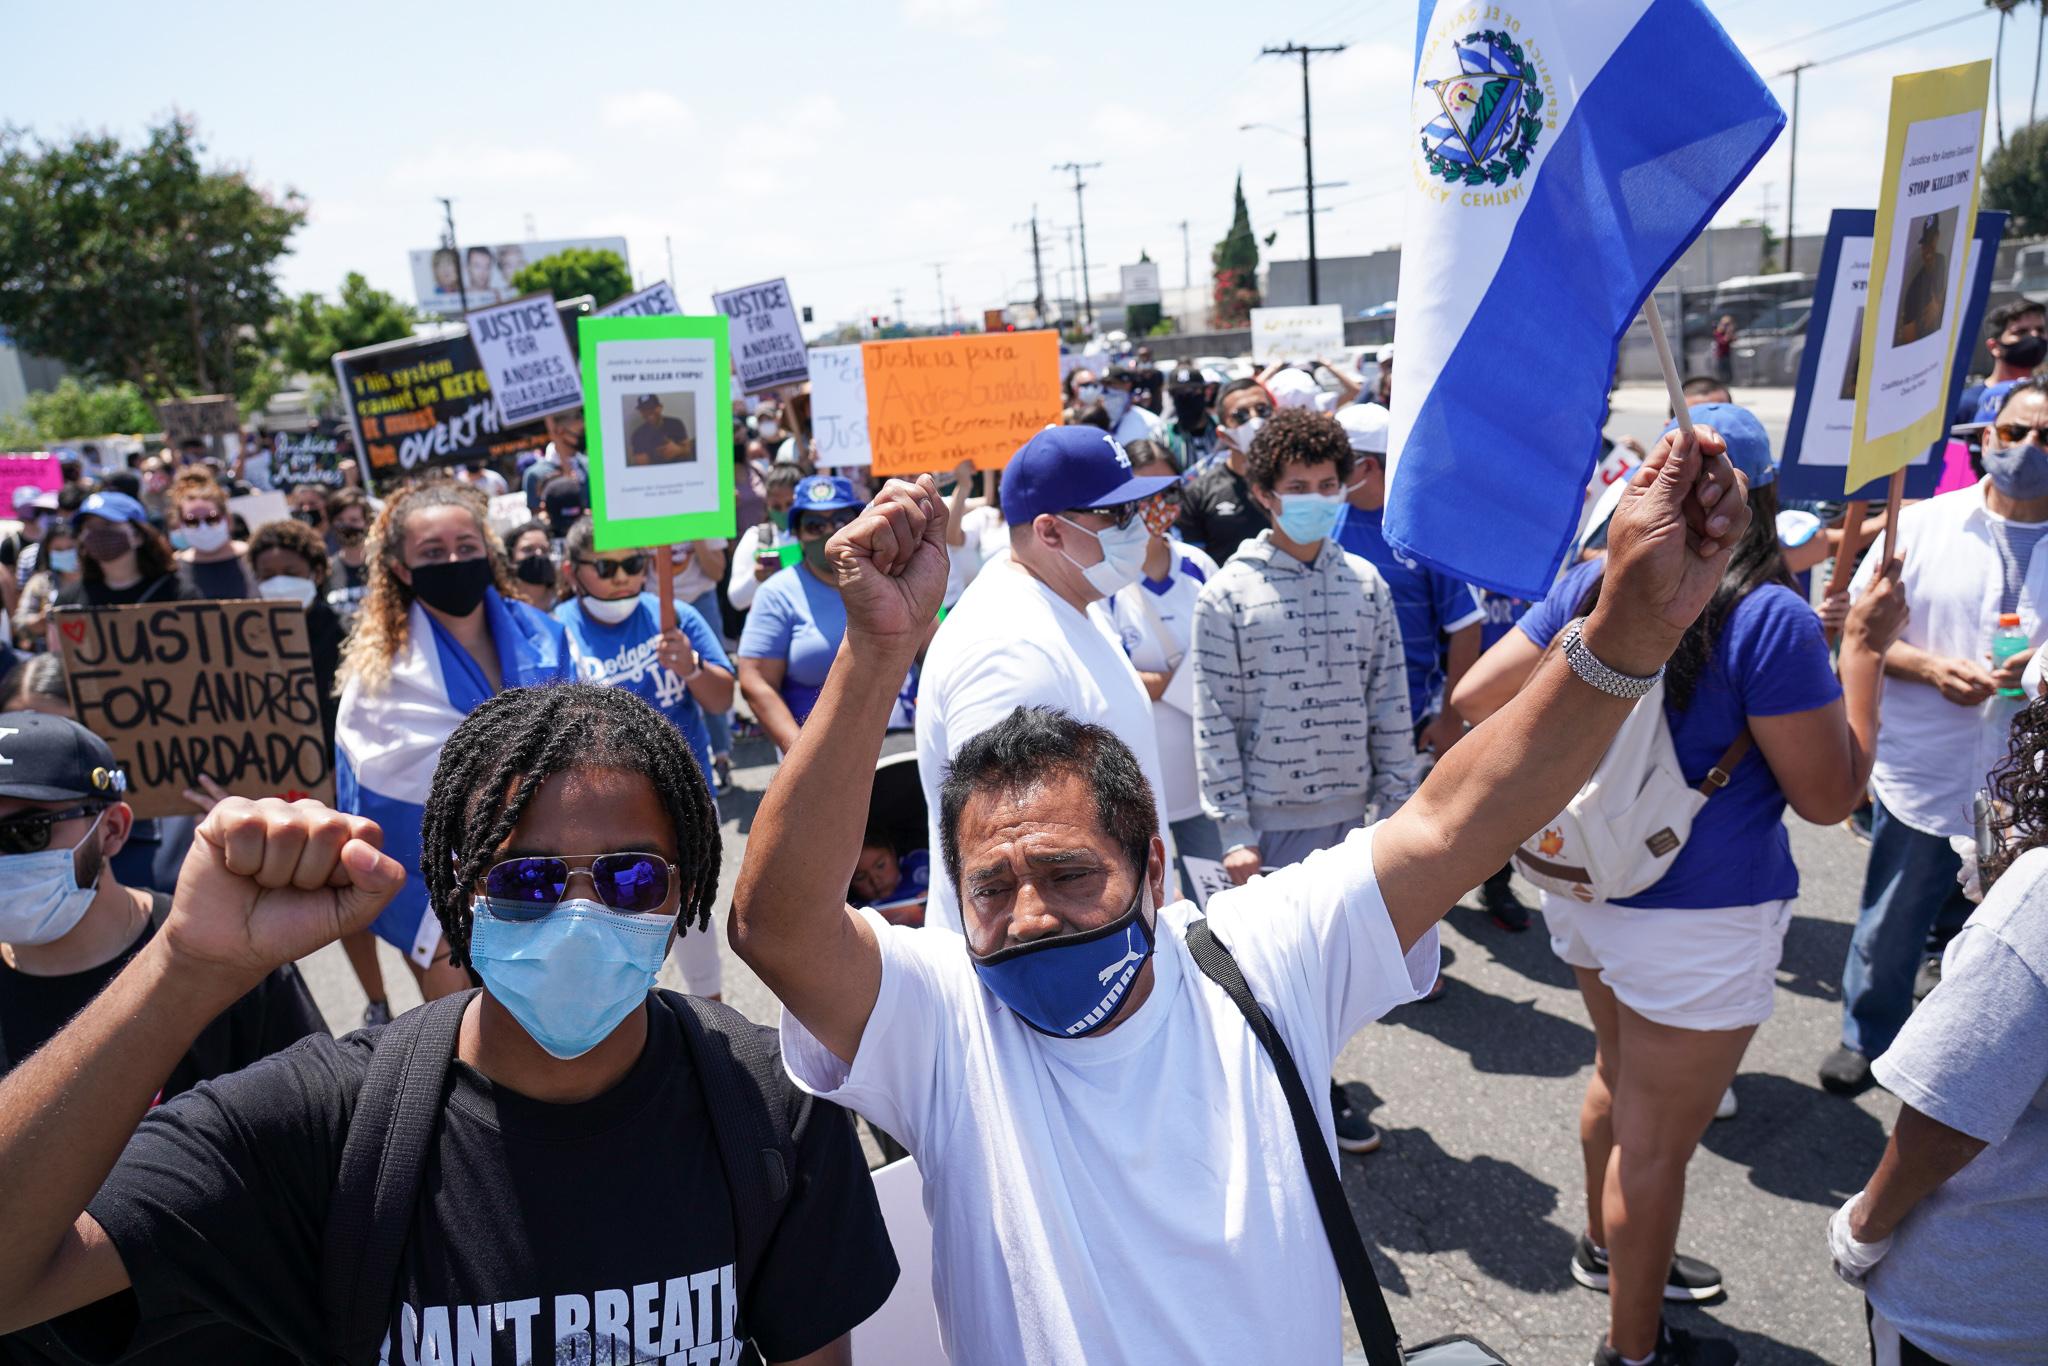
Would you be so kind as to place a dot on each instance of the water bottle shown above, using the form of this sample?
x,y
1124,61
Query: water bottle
x,y
2009,640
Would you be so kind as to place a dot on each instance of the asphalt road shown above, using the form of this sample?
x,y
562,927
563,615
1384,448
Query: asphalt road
x,y
1472,1204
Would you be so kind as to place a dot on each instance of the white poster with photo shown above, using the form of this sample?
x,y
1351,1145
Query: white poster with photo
x,y
767,339
1830,427
1140,283
657,410
1307,332
839,407
526,355
657,300
448,279
1923,288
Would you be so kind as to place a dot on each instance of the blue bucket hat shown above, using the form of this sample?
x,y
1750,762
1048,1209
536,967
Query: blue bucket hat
x,y
1072,467
824,493
115,507
1749,445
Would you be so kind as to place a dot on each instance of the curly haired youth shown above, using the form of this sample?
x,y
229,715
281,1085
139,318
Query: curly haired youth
x,y
381,626
2020,787
1296,436
507,748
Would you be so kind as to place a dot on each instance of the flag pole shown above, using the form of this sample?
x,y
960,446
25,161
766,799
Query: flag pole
x,y
1664,358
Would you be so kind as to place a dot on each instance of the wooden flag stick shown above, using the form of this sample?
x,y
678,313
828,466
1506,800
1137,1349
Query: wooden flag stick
x,y
1664,358
1846,552
1892,494
665,585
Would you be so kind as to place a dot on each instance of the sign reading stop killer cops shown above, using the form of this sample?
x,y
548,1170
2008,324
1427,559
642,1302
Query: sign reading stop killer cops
x,y
526,354
657,412
767,339
181,689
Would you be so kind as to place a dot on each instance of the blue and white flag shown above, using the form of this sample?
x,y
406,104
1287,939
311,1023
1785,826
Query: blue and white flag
x,y
1566,152
388,741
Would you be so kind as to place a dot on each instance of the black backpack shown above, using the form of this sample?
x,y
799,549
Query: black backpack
x,y
758,1117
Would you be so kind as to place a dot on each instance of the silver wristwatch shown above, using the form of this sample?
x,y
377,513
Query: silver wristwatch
x,y
1594,674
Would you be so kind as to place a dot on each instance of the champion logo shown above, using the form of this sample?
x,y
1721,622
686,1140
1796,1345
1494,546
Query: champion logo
x,y
5,733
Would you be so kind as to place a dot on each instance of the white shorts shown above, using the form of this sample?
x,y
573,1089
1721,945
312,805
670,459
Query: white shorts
x,y
696,958
1690,969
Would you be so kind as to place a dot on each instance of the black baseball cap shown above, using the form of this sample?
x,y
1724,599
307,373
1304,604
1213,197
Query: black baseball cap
x,y
47,758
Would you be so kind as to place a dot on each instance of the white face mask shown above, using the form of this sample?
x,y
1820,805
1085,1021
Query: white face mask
x,y
610,611
1241,436
207,535
1116,403
288,588
770,429
40,899
1123,556
1087,393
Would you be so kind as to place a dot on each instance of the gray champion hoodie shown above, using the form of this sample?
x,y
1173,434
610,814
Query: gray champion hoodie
x,y
1301,693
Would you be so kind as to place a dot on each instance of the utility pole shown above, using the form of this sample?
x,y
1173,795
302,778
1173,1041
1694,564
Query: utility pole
x,y
1308,146
1081,217
1073,269
1187,258
668,245
1792,160
461,287
898,294
1037,267
939,269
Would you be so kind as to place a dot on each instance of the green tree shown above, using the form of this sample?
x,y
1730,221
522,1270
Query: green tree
x,y
577,270
139,264
2016,180
311,329
1236,268
73,410
1141,319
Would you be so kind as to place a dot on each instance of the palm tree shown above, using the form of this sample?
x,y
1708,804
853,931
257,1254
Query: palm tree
x,y
2040,32
2005,9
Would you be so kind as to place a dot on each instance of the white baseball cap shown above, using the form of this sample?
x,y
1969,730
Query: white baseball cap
x,y
1366,425
1294,389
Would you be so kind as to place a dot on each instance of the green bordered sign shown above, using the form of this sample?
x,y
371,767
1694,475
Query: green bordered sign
x,y
657,411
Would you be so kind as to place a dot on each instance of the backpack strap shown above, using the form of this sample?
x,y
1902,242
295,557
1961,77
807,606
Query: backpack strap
x,y
1724,767
1354,1268
377,1186
756,1113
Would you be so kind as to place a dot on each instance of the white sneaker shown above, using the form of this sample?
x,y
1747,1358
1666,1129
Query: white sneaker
x,y
1726,1109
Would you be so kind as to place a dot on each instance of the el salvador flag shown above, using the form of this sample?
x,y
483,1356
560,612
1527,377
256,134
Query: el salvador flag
x,y
388,741
1566,153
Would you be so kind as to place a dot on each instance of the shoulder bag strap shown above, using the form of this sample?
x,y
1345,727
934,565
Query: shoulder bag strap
x,y
1724,767
1361,1287
377,1186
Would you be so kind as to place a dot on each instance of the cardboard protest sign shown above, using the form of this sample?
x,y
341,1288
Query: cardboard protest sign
x,y
313,457
508,510
184,688
526,355
654,301
767,339
1308,332
1815,457
1141,284
257,508
38,472
935,401
657,412
425,402
189,418
1925,217
839,406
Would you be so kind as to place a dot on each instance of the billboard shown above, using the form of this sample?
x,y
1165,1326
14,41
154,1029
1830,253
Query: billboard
x,y
441,276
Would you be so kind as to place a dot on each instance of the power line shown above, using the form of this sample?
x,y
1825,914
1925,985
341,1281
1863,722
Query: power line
x,y
1916,33
1308,145
1844,23
1081,218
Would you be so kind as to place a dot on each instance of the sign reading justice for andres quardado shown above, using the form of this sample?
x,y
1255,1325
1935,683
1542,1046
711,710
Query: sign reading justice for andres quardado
x,y
179,689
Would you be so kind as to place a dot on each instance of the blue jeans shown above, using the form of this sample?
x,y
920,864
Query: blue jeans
x,y
1909,885
716,724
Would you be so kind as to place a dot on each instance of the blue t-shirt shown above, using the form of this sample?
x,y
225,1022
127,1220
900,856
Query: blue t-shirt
x,y
800,620
1502,612
913,880
1771,660
622,656
1426,603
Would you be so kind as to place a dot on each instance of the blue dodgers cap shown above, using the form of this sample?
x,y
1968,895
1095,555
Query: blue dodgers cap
x,y
115,507
825,493
1072,467
1749,445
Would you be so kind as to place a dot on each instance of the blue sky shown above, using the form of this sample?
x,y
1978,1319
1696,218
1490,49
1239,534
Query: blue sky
x,y
850,146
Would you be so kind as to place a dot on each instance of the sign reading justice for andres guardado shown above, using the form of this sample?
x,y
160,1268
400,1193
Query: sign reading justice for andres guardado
x,y
179,689
767,339
526,354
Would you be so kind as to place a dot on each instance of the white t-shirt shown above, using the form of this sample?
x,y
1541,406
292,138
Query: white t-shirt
x,y
1136,1196
692,582
1012,642
1137,424
988,537
740,583
1141,612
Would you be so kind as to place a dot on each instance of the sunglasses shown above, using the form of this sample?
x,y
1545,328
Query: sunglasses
x,y
812,526
528,888
2014,433
628,565
1237,417
205,519
310,516
1120,515
30,834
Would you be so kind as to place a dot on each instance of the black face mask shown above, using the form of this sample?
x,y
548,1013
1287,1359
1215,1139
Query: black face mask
x,y
538,568
2026,353
455,587
559,522
1189,410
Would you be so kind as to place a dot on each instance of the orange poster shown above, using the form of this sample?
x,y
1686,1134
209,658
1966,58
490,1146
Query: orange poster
x,y
935,401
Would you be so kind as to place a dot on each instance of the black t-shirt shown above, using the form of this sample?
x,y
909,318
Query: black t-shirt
x,y
649,437
544,1234
277,1014
220,580
1217,512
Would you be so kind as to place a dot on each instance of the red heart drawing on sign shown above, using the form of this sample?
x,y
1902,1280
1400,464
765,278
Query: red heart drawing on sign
x,y
74,631
295,795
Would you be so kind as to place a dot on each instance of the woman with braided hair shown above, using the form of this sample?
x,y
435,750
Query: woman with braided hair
x,y
440,631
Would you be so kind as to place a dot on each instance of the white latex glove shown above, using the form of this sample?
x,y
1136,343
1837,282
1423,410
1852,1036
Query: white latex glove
x,y
1967,876
1854,1261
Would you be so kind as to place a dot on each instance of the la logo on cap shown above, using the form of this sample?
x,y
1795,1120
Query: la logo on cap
x,y
1121,457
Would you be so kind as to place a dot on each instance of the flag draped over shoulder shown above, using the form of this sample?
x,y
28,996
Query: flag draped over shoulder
x,y
1566,152
388,742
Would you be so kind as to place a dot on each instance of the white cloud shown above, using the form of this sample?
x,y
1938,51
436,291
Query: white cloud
x,y
970,17
646,111
1129,129
465,165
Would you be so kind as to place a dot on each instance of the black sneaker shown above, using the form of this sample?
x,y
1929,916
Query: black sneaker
x,y
1691,1280
1355,1133
1676,1347
1927,979
1503,906
1845,1072
375,1014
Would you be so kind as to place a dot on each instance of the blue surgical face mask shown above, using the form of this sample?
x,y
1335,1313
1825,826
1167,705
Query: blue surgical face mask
x,y
1308,517
40,899
2018,471
1116,402
64,561
1071,985
571,976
